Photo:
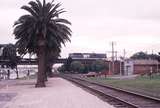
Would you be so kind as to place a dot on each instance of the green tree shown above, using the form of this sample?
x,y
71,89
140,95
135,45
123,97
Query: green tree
x,y
40,31
154,56
98,66
77,66
68,64
140,55
143,55
9,54
61,69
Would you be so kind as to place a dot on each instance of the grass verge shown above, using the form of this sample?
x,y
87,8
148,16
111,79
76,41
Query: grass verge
x,y
144,85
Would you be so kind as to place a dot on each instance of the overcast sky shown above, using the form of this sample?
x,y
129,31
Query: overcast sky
x,y
134,25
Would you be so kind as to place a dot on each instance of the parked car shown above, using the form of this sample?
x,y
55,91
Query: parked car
x,y
91,74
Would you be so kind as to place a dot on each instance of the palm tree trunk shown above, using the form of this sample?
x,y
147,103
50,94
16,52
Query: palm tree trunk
x,y
46,79
41,67
46,58
17,73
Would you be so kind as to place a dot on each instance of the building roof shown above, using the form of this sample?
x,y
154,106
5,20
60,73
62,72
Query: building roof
x,y
143,61
149,61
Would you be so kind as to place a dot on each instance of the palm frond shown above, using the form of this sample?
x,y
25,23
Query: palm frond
x,y
60,20
35,7
43,21
30,10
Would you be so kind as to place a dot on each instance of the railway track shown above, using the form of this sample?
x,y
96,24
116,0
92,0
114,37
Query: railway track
x,y
117,97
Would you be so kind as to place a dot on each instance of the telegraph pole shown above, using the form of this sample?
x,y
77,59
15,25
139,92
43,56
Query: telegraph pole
x,y
122,60
124,54
113,56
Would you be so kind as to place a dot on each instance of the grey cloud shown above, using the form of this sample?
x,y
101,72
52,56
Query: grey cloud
x,y
117,8
95,18
8,4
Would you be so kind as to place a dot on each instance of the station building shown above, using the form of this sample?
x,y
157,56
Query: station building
x,y
144,66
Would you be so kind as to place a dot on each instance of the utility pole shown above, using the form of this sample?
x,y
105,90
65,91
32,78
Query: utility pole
x,y
113,56
124,54
122,61
120,65
116,55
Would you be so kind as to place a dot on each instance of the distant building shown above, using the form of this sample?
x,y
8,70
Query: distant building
x,y
87,55
76,55
140,66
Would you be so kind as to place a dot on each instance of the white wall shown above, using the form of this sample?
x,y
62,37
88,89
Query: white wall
x,y
128,67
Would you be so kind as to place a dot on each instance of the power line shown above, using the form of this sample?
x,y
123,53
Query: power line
x,y
112,56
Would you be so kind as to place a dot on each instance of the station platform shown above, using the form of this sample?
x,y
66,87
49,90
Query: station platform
x,y
59,93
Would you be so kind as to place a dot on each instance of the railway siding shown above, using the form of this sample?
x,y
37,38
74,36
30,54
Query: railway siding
x,y
126,98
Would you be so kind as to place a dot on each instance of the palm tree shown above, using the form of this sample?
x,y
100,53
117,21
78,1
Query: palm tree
x,y
40,31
